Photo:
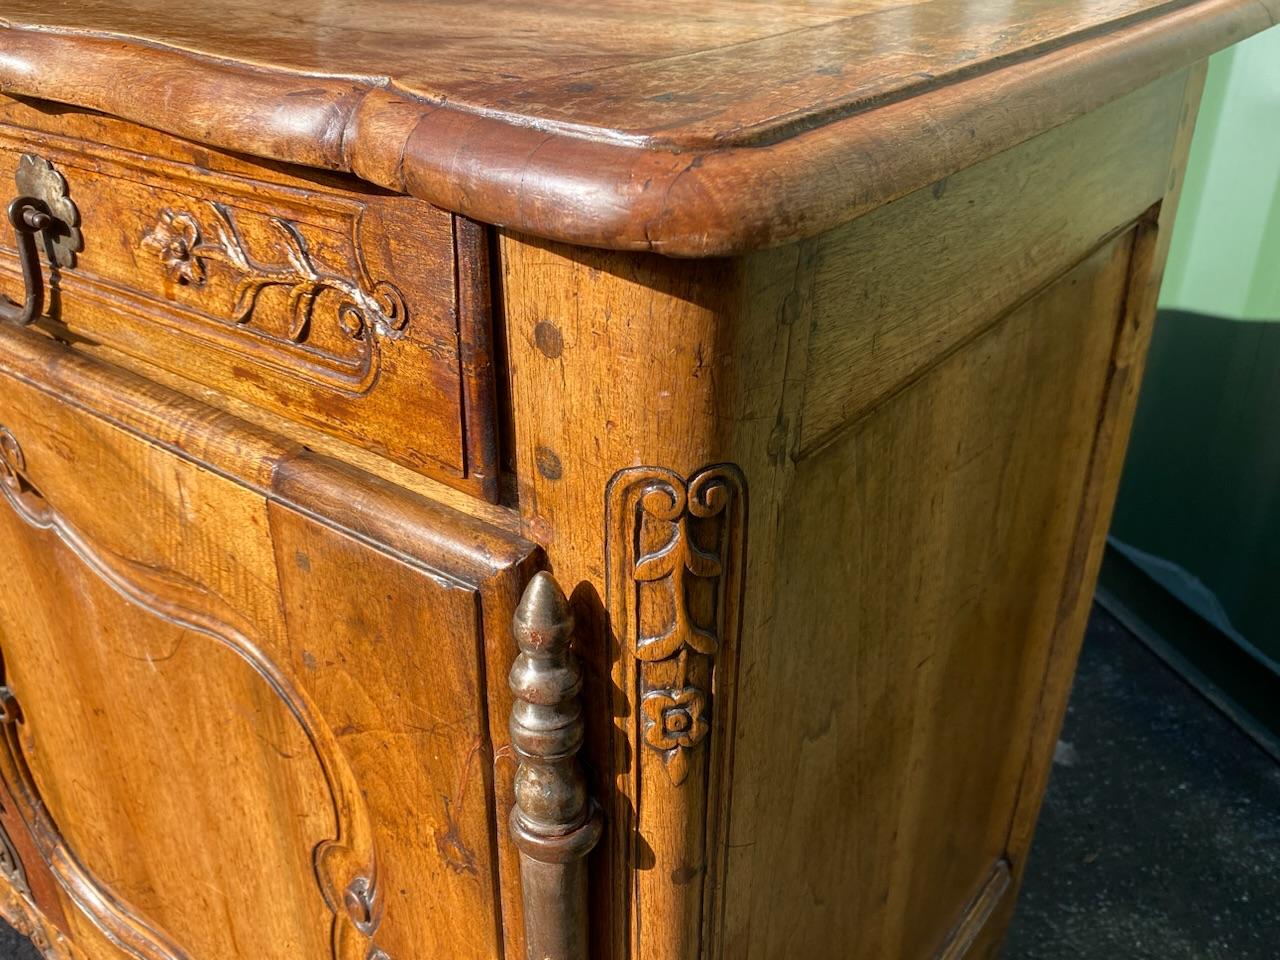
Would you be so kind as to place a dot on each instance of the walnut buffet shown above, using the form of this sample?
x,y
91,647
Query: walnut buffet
x,y
545,480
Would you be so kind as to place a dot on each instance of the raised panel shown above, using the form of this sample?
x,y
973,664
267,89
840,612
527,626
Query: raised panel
x,y
240,720
889,303
947,515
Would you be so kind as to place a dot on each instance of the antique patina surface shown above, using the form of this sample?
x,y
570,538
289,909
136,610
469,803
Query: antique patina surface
x,y
544,480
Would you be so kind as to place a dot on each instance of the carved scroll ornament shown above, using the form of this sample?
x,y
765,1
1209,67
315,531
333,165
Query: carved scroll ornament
x,y
675,558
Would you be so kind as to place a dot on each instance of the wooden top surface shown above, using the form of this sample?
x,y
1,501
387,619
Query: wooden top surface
x,y
691,128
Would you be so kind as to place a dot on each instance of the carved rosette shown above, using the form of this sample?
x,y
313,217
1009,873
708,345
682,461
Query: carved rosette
x,y
675,558
675,565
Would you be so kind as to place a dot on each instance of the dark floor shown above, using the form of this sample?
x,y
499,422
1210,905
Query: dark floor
x,y
1160,836
14,946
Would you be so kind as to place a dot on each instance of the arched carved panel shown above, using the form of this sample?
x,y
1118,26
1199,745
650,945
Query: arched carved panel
x,y
344,865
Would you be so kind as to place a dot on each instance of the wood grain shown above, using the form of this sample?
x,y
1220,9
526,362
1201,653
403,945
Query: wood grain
x,y
259,698
903,575
1105,466
952,539
826,499
609,130
878,325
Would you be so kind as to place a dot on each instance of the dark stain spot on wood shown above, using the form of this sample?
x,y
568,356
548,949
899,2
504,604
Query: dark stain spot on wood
x,y
251,376
547,337
303,561
580,87
682,875
456,854
308,659
548,463
939,188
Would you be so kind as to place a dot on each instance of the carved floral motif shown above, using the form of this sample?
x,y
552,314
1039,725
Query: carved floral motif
x,y
675,721
675,547
365,309
173,239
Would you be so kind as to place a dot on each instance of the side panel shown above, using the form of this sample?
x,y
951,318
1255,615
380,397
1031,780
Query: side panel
x,y
884,741
827,515
940,543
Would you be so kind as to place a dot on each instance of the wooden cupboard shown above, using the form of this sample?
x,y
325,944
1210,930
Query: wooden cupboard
x,y
512,481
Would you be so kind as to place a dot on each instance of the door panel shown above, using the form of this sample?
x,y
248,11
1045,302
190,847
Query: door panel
x,y
235,727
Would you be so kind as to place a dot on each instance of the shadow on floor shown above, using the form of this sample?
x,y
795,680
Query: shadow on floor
x,y
14,946
1160,833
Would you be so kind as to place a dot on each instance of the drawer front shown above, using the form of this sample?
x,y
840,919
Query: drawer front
x,y
237,717
356,312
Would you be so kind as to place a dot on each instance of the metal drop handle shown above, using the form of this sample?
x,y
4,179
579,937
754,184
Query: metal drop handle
x,y
29,216
46,223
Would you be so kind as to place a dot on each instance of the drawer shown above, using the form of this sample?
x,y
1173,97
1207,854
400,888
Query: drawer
x,y
356,312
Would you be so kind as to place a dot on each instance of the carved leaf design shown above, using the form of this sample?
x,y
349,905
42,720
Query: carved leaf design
x,y
675,716
364,310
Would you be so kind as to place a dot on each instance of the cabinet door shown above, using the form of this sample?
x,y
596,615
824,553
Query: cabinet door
x,y
243,705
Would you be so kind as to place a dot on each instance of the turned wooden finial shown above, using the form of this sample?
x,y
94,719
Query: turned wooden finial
x,y
554,822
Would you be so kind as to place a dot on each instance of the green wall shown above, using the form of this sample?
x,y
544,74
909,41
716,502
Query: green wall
x,y
1199,503
1225,257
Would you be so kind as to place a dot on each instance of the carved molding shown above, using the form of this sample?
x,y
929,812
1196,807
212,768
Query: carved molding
x,y
675,562
345,865
11,866
364,309
554,822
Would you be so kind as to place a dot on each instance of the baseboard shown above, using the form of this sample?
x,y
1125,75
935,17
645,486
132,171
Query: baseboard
x,y
1245,690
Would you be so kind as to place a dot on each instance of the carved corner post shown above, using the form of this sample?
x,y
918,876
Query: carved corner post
x,y
554,823
676,559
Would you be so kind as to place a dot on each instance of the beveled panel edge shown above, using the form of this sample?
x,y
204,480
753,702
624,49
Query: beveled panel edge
x,y
345,865
453,548
996,889
600,192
